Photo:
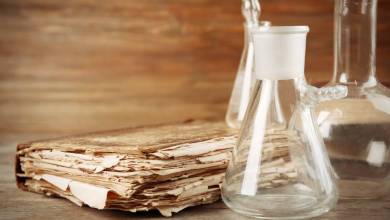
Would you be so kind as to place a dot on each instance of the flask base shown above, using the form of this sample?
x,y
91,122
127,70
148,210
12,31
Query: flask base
x,y
276,206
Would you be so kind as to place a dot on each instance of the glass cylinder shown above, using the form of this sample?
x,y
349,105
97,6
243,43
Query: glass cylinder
x,y
279,168
356,129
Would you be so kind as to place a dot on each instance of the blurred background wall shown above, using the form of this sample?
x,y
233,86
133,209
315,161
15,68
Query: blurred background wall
x,y
77,65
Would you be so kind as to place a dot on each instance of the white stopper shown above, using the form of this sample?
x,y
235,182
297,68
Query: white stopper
x,y
280,52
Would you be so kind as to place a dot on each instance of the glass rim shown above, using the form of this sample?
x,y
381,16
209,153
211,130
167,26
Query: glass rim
x,y
280,29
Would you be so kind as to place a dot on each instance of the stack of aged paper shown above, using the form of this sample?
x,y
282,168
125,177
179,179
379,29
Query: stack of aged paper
x,y
167,167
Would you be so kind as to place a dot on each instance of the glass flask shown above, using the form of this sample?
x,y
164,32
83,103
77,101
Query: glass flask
x,y
356,129
279,167
245,79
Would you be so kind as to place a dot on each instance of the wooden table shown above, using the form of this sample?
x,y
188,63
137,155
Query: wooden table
x,y
82,65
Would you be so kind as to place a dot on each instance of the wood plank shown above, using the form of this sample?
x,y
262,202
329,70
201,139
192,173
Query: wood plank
x,y
24,205
168,37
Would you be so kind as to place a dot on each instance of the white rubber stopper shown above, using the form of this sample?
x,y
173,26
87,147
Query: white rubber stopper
x,y
280,52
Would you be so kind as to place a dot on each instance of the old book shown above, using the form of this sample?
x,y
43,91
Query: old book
x,y
165,167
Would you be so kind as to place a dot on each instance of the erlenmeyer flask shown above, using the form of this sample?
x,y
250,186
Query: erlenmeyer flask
x,y
356,129
279,168
245,78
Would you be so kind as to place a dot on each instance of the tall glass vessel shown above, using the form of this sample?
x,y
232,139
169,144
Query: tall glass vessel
x,y
279,168
356,129
245,79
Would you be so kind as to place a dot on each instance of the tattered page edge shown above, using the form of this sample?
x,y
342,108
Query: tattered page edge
x,y
20,180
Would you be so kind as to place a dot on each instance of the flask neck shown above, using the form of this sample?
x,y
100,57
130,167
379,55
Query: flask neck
x,y
355,42
247,33
251,11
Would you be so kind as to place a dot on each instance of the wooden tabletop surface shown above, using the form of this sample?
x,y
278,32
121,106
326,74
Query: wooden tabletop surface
x,y
76,66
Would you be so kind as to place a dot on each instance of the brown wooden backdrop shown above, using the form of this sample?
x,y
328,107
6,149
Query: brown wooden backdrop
x,y
83,65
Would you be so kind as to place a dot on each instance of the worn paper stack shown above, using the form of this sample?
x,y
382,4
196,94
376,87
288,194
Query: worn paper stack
x,y
168,167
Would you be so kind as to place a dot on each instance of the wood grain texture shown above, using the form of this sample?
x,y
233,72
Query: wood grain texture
x,y
85,65
77,39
